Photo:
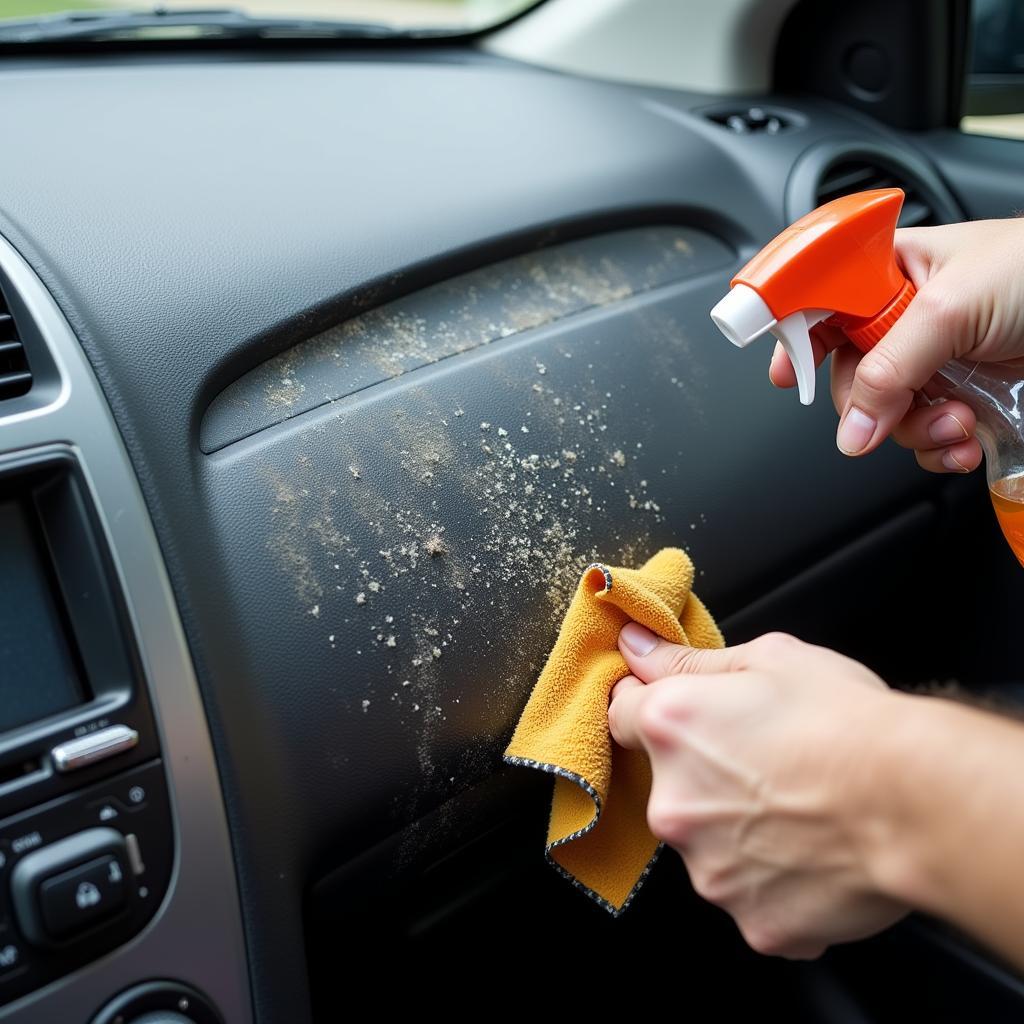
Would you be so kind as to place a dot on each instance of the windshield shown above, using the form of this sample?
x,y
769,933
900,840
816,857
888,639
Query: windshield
x,y
454,16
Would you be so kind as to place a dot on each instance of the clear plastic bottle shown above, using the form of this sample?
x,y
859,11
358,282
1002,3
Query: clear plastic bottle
x,y
995,391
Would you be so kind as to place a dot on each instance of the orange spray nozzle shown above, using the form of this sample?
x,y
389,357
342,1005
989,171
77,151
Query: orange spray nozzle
x,y
837,262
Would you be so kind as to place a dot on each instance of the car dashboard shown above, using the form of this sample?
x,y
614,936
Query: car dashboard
x,y
349,365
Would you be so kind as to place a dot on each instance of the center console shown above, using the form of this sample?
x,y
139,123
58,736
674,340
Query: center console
x,y
118,900
86,837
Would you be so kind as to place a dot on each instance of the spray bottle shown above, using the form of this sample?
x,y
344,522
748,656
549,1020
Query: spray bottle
x,y
838,265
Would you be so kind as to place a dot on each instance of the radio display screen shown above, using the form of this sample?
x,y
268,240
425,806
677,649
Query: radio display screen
x,y
38,671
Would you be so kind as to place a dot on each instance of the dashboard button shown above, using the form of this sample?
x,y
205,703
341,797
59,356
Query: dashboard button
x,y
97,746
68,886
124,799
10,958
77,899
159,1002
107,808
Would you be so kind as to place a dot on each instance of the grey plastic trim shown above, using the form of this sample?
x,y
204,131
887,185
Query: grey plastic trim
x,y
196,935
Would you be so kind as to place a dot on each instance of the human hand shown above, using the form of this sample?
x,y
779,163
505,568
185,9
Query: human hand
x,y
969,305
764,781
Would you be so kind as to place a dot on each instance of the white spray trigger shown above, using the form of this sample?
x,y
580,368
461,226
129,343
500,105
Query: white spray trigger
x,y
743,316
793,333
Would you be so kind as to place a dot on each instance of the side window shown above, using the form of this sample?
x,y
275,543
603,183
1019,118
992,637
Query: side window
x,y
994,94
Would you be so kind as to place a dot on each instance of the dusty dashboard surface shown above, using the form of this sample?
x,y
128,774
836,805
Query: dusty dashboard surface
x,y
441,469
416,492
374,478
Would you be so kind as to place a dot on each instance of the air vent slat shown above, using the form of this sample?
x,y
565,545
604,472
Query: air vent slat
x,y
15,373
850,176
14,384
849,181
914,213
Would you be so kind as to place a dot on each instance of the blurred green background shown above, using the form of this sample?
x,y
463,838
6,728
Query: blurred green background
x,y
442,13
27,8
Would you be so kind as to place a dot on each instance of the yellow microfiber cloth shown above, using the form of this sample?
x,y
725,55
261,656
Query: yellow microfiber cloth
x,y
598,835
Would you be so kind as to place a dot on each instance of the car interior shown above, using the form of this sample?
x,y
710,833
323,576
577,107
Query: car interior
x,y
333,348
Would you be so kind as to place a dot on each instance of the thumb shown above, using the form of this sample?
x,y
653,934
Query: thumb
x,y
888,376
650,657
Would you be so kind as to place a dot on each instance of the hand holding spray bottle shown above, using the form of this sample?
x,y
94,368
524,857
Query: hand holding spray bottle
x,y
838,264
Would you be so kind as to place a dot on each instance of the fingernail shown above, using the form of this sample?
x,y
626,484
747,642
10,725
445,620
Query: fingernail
x,y
639,640
950,461
947,429
855,431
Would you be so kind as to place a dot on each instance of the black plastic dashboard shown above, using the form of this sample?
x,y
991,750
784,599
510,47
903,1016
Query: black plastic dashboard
x,y
370,577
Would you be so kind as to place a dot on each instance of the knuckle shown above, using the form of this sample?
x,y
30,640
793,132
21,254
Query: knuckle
x,y
655,716
764,938
879,373
680,659
942,307
709,884
776,645
668,821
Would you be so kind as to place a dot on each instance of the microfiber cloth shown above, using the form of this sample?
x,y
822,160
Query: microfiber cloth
x,y
598,835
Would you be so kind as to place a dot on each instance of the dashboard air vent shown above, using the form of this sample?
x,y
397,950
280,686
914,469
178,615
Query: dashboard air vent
x,y
858,176
15,375
747,120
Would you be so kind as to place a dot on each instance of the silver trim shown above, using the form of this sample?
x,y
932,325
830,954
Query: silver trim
x,y
98,746
196,935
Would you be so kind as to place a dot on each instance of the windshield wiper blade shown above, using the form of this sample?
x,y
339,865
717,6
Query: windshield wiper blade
x,y
169,22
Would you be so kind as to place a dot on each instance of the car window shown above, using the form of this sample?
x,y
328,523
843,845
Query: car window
x,y
994,96
450,15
